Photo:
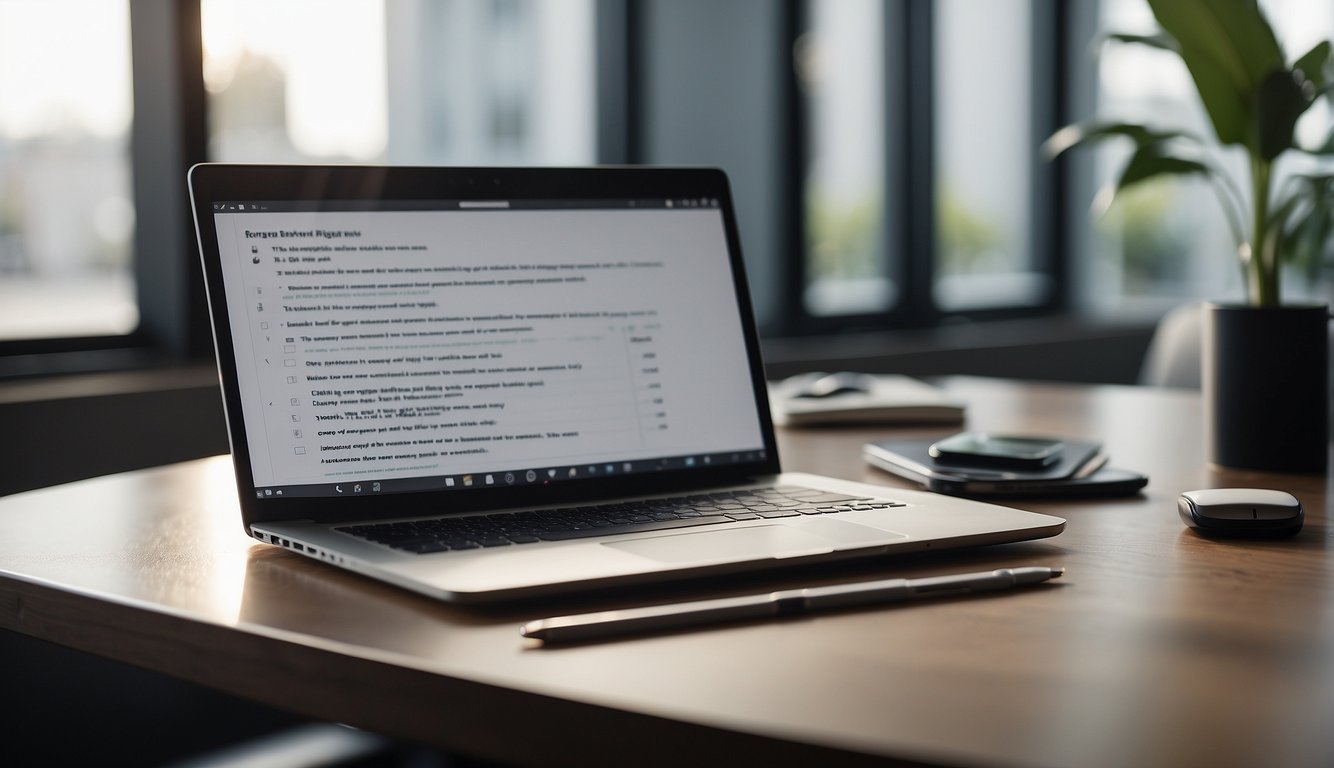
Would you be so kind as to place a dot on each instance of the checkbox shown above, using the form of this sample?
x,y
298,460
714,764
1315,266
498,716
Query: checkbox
x,y
300,450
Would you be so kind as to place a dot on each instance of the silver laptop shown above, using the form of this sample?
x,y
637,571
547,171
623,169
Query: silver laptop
x,y
488,384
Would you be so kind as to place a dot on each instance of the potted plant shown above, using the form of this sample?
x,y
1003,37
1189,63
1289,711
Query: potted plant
x,y
1265,369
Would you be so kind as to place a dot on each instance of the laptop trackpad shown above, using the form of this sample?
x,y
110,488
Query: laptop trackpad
x,y
730,544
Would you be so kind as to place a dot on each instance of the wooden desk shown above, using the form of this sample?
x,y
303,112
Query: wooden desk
x,y
1157,648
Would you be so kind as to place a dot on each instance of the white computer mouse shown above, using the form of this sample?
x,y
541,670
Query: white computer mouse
x,y
1241,512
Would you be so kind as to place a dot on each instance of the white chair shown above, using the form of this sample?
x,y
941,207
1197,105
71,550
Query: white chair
x,y
1173,356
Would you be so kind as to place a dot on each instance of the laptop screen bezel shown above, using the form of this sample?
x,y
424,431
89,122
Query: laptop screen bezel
x,y
212,183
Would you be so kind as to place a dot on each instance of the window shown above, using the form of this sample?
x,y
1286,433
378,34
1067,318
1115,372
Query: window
x,y
406,81
295,81
883,153
923,193
841,67
418,82
66,210
985,151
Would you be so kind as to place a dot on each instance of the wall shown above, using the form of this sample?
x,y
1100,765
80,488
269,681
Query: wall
x,y
74,427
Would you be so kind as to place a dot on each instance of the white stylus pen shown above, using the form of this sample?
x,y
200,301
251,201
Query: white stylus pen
x,y
594,626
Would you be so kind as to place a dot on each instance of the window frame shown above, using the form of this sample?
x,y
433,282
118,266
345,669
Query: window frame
x,y
172,135
911,97
909,103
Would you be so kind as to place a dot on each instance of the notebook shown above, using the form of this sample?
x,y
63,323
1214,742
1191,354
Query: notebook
x,y
491,384
822,399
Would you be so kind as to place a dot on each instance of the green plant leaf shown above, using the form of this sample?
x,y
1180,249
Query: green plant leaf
x,y
1310,236
1153,157
1160,40
1079,134
1153,160
1304,221
1279,101
1280,229
1313,64
1229,48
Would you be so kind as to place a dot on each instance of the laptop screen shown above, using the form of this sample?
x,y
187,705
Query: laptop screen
x,y
385,347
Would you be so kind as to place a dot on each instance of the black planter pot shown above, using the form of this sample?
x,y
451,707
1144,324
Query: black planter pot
x,y
1266,387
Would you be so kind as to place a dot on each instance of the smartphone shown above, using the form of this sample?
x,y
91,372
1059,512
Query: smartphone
x,y
1081,471
979,449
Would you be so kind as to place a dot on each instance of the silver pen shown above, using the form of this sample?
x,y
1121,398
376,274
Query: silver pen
x,y
596,626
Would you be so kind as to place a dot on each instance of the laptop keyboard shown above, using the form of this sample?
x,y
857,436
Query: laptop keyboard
x,y
562,524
